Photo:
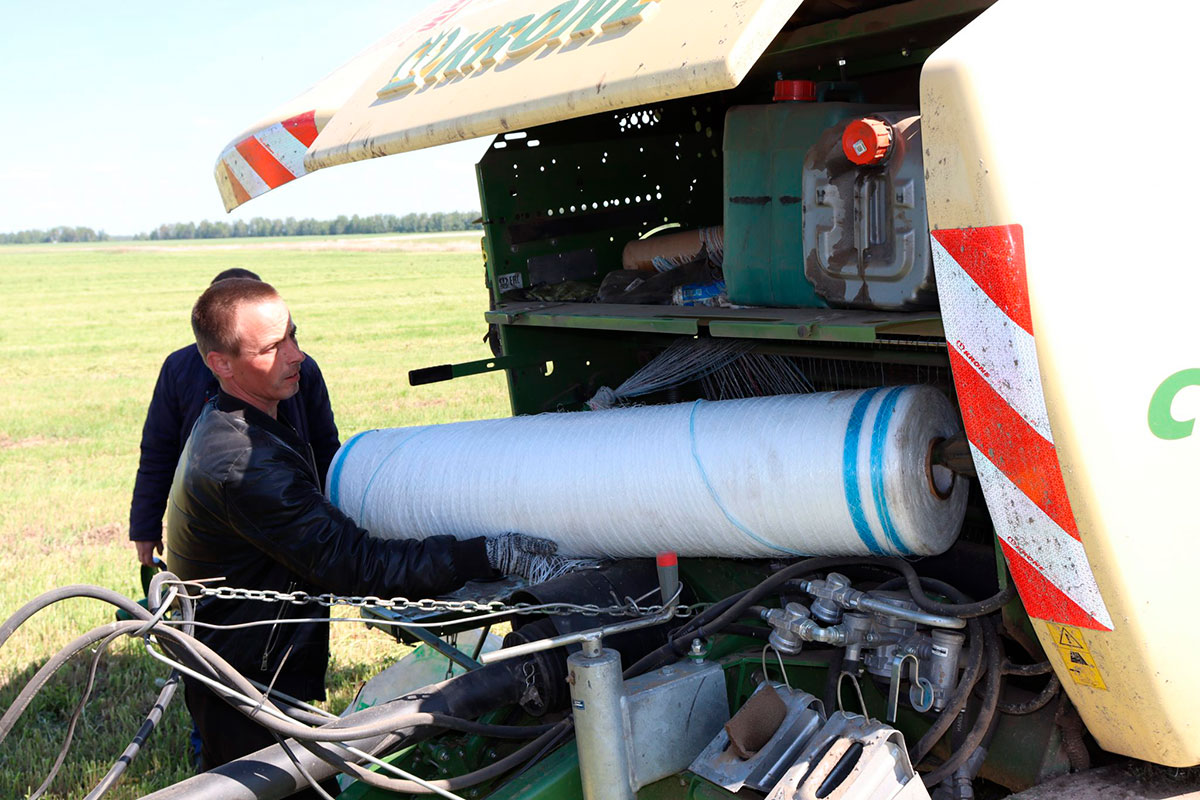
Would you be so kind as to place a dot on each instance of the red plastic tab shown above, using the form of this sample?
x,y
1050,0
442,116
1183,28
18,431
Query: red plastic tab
x,y
795,91
668,559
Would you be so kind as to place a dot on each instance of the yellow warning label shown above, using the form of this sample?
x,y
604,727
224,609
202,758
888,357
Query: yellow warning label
x,y
1076,655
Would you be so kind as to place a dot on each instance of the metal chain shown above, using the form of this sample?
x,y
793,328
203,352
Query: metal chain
x,y
300,598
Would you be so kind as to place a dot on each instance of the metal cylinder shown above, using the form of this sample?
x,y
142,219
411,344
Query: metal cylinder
x,y
943,664
596,689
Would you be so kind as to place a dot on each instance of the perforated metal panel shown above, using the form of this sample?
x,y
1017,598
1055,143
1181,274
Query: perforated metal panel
x,y
560,201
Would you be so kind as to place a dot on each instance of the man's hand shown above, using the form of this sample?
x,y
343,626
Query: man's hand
x,y
146,550
531,557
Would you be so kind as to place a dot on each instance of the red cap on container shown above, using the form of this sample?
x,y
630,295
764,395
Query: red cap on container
x,y
668,559
800,91
867,141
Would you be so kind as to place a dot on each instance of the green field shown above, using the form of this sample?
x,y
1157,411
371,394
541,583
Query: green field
x,y
83,331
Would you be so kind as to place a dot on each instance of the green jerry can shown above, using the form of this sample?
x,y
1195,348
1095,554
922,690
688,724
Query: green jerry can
x,y
825,205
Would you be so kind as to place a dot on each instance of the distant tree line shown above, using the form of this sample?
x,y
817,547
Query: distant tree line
x,y
258,226
63,233
376,223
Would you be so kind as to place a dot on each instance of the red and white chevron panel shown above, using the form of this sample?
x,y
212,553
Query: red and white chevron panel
x,y
985,310
266,159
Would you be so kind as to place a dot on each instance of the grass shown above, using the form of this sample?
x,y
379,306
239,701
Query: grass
x,y
82,335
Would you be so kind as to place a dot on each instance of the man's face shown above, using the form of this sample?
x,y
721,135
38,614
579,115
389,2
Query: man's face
x,y
266,368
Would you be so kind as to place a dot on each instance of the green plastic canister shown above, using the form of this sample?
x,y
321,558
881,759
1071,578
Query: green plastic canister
x,y
765,147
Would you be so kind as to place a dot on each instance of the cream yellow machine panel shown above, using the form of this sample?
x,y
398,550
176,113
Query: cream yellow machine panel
x,y
1056,174
468,68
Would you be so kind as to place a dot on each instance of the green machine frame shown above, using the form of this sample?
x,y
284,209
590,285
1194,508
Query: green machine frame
x,y
559,203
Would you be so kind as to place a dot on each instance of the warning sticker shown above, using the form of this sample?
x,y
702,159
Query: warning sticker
x,y
1076,655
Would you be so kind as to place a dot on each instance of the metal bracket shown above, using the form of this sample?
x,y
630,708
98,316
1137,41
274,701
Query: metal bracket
x,y
920,692
446,372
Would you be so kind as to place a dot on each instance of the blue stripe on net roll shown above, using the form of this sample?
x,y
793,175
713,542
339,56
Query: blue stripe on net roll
x,y
879,434
850,476
738,478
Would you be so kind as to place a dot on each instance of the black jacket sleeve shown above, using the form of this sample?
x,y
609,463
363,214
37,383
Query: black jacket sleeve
x,y
160,453
322,430
275,505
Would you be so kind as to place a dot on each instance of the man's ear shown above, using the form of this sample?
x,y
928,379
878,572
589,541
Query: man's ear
x,y
219,363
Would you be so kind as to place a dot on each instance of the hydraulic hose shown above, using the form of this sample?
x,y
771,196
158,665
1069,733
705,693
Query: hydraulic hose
x,y
55,663
983,719
153,717
714,619
1048,693
1026,670
466,780
47,599
335,731
733,608
966,683
963,607
35,685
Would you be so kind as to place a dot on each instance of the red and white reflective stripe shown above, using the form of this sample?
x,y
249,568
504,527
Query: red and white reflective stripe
x,y
266,159
985,310
1029,534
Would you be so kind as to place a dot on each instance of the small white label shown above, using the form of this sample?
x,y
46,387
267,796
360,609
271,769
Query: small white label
x,y
859,147
577,704
940,651
506,283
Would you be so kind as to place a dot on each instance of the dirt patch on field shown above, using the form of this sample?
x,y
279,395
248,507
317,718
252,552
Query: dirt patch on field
x,y
103,534
9,443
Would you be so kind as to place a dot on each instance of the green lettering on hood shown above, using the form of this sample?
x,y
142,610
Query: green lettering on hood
x,y
1159,418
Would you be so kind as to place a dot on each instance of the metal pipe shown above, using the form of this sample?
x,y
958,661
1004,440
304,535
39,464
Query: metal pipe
x,y
665,615
876,606
842,594
596,691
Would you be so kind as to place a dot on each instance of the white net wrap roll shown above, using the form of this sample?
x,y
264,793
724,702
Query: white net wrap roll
x,y
839,473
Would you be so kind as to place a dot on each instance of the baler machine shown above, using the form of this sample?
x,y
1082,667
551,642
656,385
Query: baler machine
x,y
700,209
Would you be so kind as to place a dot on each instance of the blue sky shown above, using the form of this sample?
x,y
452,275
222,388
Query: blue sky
x,y
112,115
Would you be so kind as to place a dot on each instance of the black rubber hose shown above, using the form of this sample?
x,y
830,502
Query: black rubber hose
x,y
966,683
1026,670
985,715
47,599
1070,726
749,631
731,609
88,685
55,663
153,717
208,661
1048,693
494,770
963,608
832,674
332,731
34,686
551,744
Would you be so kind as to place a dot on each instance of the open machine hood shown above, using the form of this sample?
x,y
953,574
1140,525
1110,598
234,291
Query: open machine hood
x,y
468,68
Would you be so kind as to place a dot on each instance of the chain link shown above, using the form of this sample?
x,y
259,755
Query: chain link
x,y
300,598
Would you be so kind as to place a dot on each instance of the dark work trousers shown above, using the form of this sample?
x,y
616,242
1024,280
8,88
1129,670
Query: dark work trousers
x,y
227,734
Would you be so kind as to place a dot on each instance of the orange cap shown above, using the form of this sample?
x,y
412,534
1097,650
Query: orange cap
x,y
867,141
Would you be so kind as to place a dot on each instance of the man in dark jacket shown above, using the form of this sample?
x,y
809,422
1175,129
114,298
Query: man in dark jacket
x,y
184,385
247,505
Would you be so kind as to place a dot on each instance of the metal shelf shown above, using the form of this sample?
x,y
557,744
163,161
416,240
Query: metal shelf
x,y
779,324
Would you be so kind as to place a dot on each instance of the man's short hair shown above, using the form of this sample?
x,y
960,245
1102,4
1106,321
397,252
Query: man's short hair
x,y
235,272
214,317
